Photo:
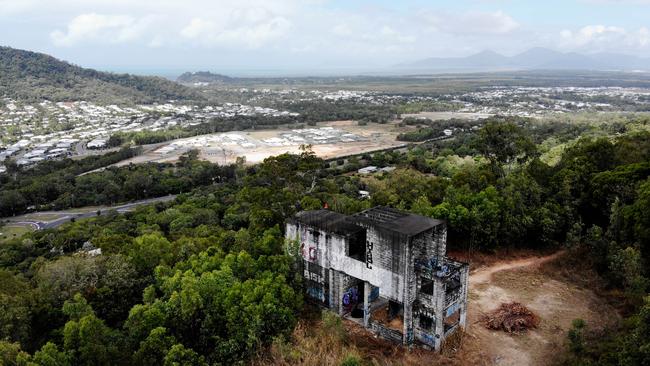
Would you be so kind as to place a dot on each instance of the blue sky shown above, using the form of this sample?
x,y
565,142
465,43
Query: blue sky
x,y
223,35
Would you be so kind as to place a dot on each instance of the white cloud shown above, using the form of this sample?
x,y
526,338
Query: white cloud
x,y
252,28
101,28
470,23
605,38
314,31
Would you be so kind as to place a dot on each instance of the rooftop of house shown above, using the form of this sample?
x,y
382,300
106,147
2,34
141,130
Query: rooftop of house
x,y
382,217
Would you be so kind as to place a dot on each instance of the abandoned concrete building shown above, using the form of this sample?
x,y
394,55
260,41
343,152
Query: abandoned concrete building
x,y
385,269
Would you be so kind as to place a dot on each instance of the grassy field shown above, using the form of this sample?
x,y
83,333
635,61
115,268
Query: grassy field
x,y
11,231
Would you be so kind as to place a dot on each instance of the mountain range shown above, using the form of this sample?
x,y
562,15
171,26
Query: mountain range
x,y
32,76
532,59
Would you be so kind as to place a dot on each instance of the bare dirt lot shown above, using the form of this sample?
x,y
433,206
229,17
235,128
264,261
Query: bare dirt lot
x,y
533,282
371,137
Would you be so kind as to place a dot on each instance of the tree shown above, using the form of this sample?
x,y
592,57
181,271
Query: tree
x,y
90,342
150,250
178,355
11,203
77,308
15,312
503,142
153,351
12,355
50,355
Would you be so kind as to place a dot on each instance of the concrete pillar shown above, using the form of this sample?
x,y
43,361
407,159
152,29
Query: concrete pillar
x,y
366,303
439,298
464,280
407,335
340,291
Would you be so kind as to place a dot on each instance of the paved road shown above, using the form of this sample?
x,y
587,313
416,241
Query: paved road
x,y
69,215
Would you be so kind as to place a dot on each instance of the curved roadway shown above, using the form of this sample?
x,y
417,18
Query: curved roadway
x,y
68,216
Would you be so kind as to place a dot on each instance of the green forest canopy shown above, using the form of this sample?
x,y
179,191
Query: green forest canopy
x,y
205,279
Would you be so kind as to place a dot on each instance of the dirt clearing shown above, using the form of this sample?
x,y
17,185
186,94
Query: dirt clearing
x,y
554,300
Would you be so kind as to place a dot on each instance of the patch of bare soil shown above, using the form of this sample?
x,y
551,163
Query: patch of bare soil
x,y
554,299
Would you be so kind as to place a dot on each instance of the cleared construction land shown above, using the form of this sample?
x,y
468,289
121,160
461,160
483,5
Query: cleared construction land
x,y
328,140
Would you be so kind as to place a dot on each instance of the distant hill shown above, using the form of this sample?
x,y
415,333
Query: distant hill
x,y
35,76
533,59
204,77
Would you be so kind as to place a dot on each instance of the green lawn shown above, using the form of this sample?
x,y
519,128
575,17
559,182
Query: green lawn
x,y
13,231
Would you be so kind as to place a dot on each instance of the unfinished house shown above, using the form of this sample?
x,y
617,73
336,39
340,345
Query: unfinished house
x,y
385,269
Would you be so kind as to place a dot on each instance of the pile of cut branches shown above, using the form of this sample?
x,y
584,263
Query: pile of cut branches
x,y
511,317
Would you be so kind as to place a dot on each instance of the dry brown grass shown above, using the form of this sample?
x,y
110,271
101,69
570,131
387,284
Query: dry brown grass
x,y
313,342
331,340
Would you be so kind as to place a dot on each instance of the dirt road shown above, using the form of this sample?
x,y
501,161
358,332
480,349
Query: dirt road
x,y
484,274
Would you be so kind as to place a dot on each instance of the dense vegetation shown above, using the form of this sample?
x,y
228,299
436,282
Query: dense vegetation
x,y
205,279
35,77
61,184
428,129
341,110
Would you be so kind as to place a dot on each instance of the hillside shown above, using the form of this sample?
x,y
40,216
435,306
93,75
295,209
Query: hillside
x,y
204,77
32,76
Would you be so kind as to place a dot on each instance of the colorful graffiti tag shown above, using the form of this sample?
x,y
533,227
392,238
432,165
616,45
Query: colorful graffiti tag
x,y
316,293
350,298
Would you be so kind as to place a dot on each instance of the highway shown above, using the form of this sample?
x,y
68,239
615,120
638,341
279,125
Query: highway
x,y
68,215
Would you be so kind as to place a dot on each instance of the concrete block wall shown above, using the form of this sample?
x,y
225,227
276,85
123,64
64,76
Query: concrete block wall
x,y
388,265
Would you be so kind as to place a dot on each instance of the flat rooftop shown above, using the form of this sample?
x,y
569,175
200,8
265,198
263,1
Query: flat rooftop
x,y
329,221
398,221
382,217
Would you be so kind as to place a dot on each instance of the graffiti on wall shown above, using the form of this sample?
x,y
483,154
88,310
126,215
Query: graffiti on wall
x,y
452,309
313,276
428,339
316,293
369,246
308,253
312,253
350,298
317,282
374,293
